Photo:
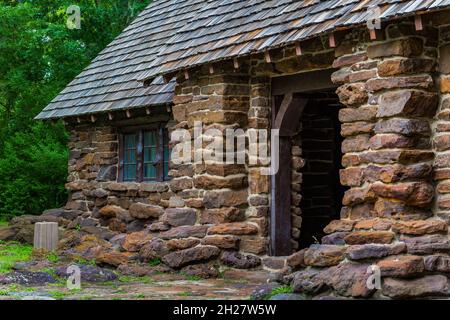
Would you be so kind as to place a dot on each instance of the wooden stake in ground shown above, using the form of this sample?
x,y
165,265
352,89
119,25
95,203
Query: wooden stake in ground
x,y
46,235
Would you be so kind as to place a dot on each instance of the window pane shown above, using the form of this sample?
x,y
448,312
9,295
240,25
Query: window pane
x,y
129,172
150,155
149,171
129,153
150,139
166,154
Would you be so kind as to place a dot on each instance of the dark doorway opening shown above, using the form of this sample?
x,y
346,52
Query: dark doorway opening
x,y
321,142
305,198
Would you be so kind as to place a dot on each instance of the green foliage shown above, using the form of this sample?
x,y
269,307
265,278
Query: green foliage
x,y
58,295
39,56
155,262
52,257
12,252
279,290
83,261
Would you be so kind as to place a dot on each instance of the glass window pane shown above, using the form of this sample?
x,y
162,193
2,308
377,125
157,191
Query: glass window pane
x,y
149,171
129,154
150,139
166,154
129,172
130,141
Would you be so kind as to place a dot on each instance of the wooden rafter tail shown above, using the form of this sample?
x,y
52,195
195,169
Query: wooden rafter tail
x,y
211,69
236,63
373,34
186,74
418,22
332,40
298,49
93,118
169,108
78,119
147,111
128,113
267,57
110,116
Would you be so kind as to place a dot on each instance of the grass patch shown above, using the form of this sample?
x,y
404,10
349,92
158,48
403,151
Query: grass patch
x,y
192,278
155,262
184,294
279,290
58,295
133,279
11,288
52,257
50,271
140,296
12,252
84,261
3,223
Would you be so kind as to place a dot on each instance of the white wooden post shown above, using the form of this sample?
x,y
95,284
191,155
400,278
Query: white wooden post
x,y
46,235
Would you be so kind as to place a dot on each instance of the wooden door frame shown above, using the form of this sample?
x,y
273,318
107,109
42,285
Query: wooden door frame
x,y
285,117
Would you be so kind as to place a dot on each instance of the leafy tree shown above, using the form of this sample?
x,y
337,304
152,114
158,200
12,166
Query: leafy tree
x,y
39,56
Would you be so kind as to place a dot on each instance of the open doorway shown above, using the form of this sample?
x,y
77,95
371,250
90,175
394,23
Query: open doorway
x,y
306,192
321,190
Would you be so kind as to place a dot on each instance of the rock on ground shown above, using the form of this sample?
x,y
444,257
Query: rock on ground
x,y
26,278
89,273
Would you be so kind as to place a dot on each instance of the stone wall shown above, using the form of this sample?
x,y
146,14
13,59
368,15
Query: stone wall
x,y
395,94
392,144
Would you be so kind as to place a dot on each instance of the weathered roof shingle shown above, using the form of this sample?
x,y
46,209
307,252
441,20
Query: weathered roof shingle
x,y
224,29
170,35
110,81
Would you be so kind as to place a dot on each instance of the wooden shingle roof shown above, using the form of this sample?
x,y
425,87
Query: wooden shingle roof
x,y
171,35
224,29
110,82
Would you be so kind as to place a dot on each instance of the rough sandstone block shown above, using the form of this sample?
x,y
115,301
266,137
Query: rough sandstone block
x,y
234,228
412,193
419,82
420,227
364,237
339,226
222,215
112,211
393,67
182,258
436,285
403,126
179,217
408,103
401,266
373,251
324,255
403,47
145,211
358,114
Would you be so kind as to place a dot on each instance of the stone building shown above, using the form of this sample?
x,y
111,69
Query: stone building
x,y
360,94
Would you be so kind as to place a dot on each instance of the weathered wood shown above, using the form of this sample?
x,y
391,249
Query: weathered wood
x,y
285,118
303,82
46,235
280,224
289,114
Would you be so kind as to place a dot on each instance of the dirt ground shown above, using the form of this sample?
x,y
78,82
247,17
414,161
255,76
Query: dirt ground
x,y
236,285
16,258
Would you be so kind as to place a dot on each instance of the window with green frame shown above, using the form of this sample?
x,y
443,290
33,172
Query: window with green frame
x,y
144,154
